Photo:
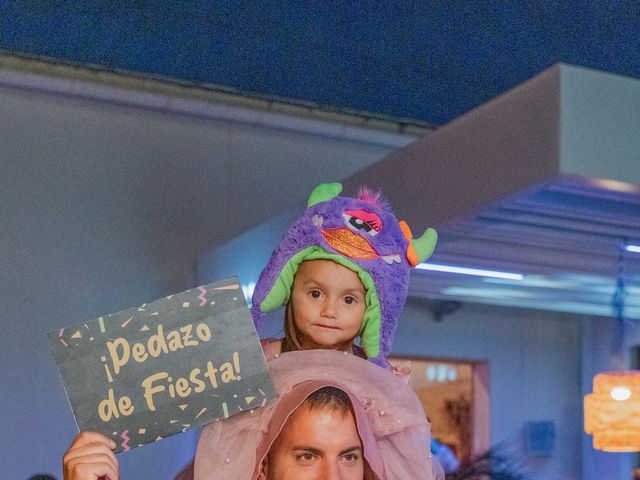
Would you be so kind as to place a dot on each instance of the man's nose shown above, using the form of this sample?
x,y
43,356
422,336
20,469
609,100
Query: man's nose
x,y
330,471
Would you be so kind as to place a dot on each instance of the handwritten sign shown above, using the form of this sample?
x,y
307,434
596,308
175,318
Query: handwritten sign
x,y
149,372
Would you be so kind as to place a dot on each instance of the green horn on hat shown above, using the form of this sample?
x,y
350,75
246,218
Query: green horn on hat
x,y
324,192
424,245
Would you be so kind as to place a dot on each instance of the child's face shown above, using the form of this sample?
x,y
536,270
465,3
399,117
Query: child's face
x,y
328,305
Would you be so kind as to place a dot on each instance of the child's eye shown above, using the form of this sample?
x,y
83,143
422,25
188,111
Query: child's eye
x,y
315,293
350,300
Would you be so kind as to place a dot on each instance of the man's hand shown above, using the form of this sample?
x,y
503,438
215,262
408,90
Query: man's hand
x,y
90,458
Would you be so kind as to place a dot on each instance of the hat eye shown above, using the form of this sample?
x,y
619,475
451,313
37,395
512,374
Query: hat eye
x,y
361,221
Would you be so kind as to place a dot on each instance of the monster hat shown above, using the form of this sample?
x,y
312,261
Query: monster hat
x,y
361,234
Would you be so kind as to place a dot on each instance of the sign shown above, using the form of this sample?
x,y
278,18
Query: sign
x,y
149,372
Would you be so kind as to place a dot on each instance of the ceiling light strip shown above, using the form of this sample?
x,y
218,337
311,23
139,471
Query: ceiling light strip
x,y
470,271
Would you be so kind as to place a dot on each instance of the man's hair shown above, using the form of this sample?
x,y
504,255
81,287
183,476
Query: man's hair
x,y
331,398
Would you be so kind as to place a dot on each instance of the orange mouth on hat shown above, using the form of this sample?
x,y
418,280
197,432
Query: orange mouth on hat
x,y
344,241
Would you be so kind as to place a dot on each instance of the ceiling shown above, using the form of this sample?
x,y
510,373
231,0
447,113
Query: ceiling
x,y
517,185
564,236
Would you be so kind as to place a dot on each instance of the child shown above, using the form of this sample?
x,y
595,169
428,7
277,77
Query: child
x,y
349,254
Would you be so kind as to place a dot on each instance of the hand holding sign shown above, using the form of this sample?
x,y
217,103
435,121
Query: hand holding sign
x,y
90,457
144,373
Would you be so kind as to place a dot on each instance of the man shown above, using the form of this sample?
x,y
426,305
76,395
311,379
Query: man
x,y
368,425
319,440
393,434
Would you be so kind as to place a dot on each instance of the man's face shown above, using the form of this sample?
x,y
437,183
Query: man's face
x,y
318,444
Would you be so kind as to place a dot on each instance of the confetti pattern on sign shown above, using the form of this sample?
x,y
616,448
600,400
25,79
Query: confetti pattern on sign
x,y
202,296
126,322
125,440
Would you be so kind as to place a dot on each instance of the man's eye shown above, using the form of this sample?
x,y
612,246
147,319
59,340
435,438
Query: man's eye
x,y
351,457
306,457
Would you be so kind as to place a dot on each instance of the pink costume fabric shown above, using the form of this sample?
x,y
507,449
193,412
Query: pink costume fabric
x,y
272,347
391,422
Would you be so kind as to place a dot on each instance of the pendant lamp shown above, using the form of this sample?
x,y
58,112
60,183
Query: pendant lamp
x,y
612,411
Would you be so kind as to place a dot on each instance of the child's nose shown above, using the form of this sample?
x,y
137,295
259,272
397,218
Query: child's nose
x,y
328,308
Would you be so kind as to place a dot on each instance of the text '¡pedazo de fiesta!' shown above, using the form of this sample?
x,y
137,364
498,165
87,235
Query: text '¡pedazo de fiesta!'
x,y
121,352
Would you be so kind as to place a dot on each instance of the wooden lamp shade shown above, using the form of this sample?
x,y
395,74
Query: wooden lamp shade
x,y
612,411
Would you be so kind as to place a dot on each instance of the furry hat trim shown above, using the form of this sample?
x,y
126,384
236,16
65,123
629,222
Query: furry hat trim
x,y
281,291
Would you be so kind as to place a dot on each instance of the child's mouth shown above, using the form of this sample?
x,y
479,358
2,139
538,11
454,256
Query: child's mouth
x,y
330,327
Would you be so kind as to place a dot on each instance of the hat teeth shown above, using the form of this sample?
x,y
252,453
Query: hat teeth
x,y
391,258
317,220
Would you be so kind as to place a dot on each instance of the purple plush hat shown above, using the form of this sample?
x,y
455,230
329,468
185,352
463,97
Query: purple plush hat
x,y
361,234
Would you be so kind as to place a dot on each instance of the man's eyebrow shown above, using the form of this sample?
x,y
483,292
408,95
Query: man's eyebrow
x,y
306,448
354,449
317,451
